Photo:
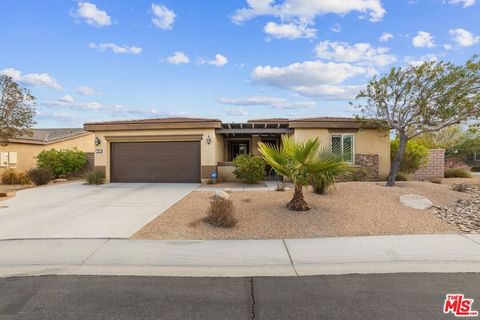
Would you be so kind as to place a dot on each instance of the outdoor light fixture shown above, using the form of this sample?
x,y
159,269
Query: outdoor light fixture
x,y
97,141
209,140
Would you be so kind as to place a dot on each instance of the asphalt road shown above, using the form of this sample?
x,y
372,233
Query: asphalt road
x,y
385,296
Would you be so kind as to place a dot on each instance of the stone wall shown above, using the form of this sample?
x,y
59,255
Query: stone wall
x,y
90,161
433,168
369,162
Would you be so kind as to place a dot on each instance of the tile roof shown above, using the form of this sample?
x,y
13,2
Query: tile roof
x,y
268,120
158,120
325,119
51,135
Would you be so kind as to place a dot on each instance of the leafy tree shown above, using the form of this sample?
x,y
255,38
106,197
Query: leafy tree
x,y
61,162
448,138
17,110
421,99
415,155
298,161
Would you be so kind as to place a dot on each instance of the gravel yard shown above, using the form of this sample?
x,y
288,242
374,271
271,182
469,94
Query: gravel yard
x,y
352,209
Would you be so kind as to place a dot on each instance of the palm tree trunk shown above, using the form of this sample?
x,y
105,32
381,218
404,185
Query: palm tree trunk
x,y
298,203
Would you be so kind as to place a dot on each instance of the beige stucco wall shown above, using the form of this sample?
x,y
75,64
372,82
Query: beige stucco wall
x,y
27,153
366,141
208,152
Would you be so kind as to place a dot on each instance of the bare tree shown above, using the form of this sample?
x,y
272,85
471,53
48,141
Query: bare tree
x,y
420,99
17,109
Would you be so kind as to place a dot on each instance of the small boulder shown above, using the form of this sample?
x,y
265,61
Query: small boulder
x,y
416,201
227,190
60,180
219,194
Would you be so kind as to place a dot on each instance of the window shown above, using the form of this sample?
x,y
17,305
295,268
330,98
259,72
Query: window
x,y
238,147
8,159
342,144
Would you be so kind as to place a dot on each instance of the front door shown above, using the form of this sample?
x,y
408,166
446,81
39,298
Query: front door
x,y
238,147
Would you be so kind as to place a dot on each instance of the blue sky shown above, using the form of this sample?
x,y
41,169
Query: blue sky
x,y
100,60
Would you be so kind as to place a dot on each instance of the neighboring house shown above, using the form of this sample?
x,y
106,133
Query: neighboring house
x,y
191,149
21,152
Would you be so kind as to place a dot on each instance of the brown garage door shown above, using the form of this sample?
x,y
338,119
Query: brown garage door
x,y
155,161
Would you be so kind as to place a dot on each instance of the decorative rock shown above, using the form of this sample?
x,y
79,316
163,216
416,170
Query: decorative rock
x,y
60,180
227,190
219,194
415,201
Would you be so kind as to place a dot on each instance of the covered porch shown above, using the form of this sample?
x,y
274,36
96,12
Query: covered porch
x,y
243,138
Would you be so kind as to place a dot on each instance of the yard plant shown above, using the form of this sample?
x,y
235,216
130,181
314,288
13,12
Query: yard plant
x,y
301,162
95,177
249,169
414,156
62,162
40,176
420,99
12,176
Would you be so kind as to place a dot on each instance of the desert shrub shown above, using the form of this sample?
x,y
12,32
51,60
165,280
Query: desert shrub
x,y
12,176
280,187
359,174
95,177
457,173
249,169
62,162
475,168
402,176
415,155
436,180
40,176
220,213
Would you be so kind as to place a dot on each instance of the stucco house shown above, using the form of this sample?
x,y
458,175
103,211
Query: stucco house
x,y
191,149
21,152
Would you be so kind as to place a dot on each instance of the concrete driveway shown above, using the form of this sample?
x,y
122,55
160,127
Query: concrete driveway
x,y
74,210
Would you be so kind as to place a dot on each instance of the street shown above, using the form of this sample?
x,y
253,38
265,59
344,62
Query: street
x,y
373,296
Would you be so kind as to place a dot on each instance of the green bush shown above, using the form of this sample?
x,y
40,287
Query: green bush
x,y
402,176
40,176
249,169
95,177
415,155
12,176
475,168
62,162
457,173
359,174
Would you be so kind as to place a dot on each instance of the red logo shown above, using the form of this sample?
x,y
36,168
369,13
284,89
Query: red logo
x,y
459,306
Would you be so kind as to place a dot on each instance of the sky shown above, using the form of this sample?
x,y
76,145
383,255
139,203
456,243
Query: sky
x,y
234,60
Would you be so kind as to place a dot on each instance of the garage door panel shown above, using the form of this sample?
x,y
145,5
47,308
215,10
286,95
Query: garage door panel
x,y
155,161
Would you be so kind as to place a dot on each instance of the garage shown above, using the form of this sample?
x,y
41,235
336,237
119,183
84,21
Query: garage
x,y
165,161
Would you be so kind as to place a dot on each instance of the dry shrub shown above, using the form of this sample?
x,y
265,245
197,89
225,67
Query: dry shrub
x,y
220,213
12,176
280,187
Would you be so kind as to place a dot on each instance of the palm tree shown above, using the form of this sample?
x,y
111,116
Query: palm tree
x,y
299,161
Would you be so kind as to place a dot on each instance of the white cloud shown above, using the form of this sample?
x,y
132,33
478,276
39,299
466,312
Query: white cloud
x,y
163,18
289,30
218,61
336,27
423,40
277,103
86,91
33,79
237,112
418,61
385,37
362,53
115,48
306,73
66,98
463,38
307,10
92,15
331,92
447,46
178,57
465,3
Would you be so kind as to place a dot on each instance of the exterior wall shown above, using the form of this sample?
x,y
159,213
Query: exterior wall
x,y
434,168
27,153
369,162
209,152
366,142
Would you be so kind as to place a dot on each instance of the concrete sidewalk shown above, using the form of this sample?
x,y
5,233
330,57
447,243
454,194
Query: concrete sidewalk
x,y
237,258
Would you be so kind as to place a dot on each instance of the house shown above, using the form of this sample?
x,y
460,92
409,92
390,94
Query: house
x,y
21,152
192,149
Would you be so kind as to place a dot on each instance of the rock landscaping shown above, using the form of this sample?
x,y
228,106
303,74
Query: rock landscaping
x,y
464,213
